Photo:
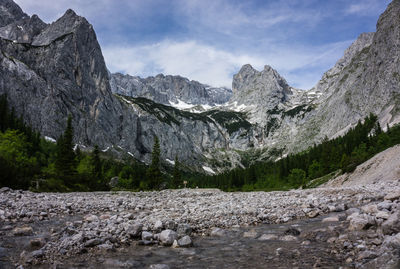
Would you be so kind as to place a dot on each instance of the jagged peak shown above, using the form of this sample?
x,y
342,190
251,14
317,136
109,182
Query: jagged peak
x,y
66,24
10,12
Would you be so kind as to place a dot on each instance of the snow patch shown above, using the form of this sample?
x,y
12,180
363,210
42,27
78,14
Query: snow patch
x,y
104,150
181,105
130,154
208,169
170,161
50,139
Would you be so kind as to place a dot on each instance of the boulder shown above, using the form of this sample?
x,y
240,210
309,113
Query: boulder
x,y
360,221
392,241
167,237
135,229
147,235
392,224
185,242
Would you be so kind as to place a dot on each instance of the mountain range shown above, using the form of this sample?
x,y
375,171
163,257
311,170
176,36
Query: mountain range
x,y
50,71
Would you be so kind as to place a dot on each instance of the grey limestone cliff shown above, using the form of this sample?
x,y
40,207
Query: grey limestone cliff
x,y
169,89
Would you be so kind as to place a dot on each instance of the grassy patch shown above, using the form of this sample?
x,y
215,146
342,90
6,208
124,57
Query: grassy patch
x,y
321,180
302,109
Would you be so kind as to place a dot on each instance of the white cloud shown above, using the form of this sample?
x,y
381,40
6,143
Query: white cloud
x,y
366,7
215,67
189,59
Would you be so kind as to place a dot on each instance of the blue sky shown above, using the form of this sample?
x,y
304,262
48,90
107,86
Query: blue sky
x,y
209,40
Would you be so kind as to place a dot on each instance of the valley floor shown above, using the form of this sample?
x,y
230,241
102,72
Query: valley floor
x,y
352,226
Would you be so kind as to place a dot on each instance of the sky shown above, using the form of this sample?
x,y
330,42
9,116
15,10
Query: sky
x,y
209,40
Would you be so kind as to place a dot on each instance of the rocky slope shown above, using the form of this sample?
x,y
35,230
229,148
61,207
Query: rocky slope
x,y
50,71
383,167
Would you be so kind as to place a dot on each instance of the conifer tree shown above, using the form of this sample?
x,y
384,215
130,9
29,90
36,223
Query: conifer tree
x,y
65,157
176,181
153,173
96,163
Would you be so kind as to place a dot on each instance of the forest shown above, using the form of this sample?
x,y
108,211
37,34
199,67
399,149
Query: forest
x,y
28,161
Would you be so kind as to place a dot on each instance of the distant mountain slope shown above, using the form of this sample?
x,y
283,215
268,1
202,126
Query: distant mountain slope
x,y
169,90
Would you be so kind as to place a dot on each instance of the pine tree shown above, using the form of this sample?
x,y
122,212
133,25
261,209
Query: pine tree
x,y
153,173
65,157
96,163
177,179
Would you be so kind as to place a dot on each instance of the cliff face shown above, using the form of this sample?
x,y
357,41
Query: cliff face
x,y
169,90
51,71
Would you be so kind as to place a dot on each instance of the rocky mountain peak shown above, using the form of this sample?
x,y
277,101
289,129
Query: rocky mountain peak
x,y
250,86
23,30
65,25
10,12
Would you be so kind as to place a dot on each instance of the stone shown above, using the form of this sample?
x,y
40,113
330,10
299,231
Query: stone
x,y
266,237
217,232
184,229
23,231
167,237
382,215
147,235
90,218
5,189
370,209
159,266
366,255
392,241
331,219
135,230
385,205
185,242
158,226
360,222
313,213
292,231
250,234
37,242
288,238
93,242
37,253
175,244
394,195
392,224
105,247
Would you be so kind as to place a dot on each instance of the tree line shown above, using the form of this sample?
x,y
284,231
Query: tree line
x,y
341,154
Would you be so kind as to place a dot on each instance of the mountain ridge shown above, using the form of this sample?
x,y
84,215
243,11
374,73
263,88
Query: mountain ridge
x,y
52,70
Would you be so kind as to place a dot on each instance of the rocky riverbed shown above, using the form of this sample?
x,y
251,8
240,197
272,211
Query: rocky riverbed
x,y
350,227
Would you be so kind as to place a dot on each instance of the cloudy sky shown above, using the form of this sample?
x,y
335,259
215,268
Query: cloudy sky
x,y
209,40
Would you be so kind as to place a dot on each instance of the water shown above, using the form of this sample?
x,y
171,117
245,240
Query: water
x,y
230,251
